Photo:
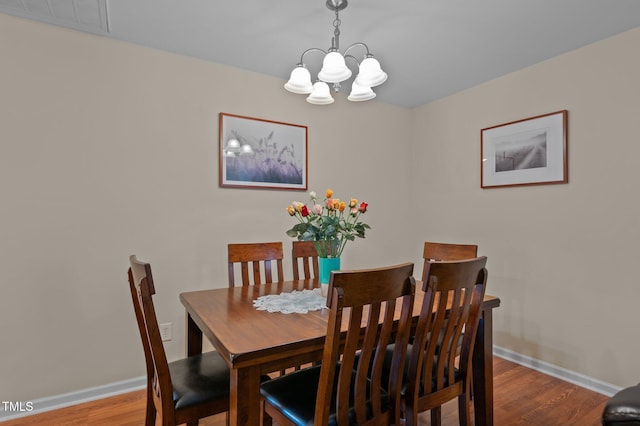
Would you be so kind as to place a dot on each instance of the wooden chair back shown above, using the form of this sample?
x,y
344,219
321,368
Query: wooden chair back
x,y
255,260
372,297
159,387
454,292
447,251
303,253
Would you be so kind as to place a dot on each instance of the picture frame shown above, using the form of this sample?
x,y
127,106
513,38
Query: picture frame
x,y
531,151
261,154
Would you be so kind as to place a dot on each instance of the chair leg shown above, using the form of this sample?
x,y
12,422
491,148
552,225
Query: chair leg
x,y
150,416
410,417
464,405
436,416
266,418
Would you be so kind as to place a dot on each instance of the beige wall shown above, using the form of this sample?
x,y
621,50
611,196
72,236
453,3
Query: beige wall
x,y
109,149
561,257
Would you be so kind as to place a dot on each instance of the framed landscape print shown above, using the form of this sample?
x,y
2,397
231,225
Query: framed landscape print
x,y
532,151
257,153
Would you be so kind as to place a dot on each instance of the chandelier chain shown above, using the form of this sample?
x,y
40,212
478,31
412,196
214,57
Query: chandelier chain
x,y
336,32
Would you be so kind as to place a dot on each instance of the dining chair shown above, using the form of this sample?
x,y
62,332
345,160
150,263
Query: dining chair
x,y
343,391
454,292
182,391
255,260
303,253
447,251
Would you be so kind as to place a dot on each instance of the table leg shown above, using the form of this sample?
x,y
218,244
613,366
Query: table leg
x,y
244,398
483,371
194,337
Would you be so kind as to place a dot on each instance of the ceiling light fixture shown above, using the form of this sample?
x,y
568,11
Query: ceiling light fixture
x,y
334,69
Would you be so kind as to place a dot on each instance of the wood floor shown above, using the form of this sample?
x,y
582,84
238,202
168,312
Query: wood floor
x,y
521,397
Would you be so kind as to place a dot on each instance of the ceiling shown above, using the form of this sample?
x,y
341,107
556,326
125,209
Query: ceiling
x,y
429,48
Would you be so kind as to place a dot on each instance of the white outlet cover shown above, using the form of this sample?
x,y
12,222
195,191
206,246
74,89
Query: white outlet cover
x,y
166,331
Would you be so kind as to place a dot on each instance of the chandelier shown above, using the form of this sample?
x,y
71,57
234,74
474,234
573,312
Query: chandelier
x,y
334,69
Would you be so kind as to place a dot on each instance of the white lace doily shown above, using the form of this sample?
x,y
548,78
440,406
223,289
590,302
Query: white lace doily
x,y
298,302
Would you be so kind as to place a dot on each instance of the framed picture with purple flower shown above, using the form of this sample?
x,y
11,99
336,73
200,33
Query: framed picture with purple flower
x,y
262,154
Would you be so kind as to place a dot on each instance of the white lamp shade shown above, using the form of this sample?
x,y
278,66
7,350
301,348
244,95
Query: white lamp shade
x,y
233,145
299,81
360,93
370,74
334,69
321,94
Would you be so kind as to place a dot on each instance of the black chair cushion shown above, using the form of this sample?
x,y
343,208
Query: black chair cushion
x,y
294,394
200,378
623,408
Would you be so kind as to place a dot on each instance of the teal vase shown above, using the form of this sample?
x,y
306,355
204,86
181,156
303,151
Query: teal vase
x,y
326,265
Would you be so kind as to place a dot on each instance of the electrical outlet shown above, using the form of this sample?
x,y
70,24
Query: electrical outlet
x,y
166,331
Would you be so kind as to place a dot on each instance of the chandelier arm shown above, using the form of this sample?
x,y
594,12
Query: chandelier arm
x,y
368,54
354,59
312,49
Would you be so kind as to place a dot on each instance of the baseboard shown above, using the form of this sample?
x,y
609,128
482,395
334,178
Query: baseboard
x,y
72,398
558,372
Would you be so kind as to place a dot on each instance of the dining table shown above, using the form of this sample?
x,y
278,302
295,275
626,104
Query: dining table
x,y
256,342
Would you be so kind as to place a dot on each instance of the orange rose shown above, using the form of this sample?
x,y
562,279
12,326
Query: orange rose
x,y
329,193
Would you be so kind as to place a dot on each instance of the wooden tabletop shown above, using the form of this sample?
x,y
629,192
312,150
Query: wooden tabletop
x,y
222,313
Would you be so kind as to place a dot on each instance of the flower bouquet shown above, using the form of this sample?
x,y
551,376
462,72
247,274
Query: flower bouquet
x,y
329,224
